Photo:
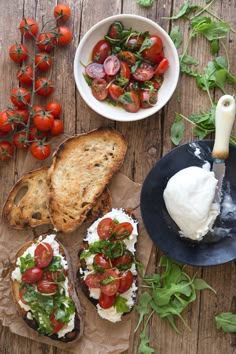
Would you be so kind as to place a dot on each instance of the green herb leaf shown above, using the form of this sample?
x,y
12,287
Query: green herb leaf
x,y
144,344
85,254
88,79
126,98
143,307
215,46
188,60
177,130
147,43
210,29
226,321
26,262
55,264
115,249
185,10
176,36
121,304
108,280
145,3
201,284
98,246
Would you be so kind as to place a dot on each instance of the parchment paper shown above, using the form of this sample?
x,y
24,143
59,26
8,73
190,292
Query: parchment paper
x,y
100,336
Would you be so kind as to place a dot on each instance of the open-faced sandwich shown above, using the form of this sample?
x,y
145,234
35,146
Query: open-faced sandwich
x,y
43,289
107,266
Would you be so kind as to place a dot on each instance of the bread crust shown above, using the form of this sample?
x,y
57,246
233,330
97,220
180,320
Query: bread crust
x,y
78,322
87,161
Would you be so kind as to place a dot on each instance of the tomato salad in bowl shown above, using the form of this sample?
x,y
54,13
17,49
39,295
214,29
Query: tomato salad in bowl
x,y
127,68
128,61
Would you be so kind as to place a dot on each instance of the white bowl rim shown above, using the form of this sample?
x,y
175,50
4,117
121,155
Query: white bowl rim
x,y
145,112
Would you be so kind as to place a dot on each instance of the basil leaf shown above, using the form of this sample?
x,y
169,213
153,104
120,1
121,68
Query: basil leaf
x,y
55,264
121,304
26,262
147,43
176,36
177,130
226,321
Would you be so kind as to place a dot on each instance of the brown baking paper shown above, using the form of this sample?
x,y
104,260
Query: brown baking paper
x,y
99,336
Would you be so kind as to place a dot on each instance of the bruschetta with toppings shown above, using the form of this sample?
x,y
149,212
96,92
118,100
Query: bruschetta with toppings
x,y
107,270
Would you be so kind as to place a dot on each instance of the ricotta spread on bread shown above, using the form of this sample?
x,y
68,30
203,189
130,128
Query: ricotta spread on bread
x,y
189,199
93,239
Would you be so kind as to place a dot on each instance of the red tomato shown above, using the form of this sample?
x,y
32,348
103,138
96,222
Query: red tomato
x,y
162,67
46,287
111,65
43,254
95,71
18,52
130,101
134,43
155,84
126,281
122,261
22,292
93,280
115,92
46,41
115,30
101,51
54,108
20,141
35,134
29,28
25,74
20,97
62,12
43,61
112,287
152,53
101,261
44,87
21,117
124,70
40,150
6,122
99,89
106,301
122,230
127,57
64,35
43,121
6,150
57,127
133,86
148,98
32,275
56,325
144,72
37,108
53,276
105,228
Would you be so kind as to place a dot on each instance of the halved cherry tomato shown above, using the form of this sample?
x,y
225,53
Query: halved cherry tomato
x,y
56,325
106,301
130,101
148,98
101,51
110,282
25,74
101,261
124,70
54,107
111,65
105,228
123,262
95,71
122,230
115,91
134,43
93,280
43,254
99,89
46,287
22,292
32,275
115,30
18,52
126,281
162,67
144,72
56,276
133,86
20,97
46,41
28,27
152,53
127,57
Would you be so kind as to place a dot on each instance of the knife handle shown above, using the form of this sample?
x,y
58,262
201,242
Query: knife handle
x,y
224,120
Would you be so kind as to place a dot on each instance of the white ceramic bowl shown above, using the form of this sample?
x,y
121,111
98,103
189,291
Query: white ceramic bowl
x,y
83,55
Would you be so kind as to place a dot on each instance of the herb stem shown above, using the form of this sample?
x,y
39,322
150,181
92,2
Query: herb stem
x,y
226,54
187,45
202,10
148,319
219,19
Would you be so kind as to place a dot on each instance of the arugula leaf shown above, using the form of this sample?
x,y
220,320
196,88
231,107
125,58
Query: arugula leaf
x,y
188,60
226,321
98,246
200,284
176,36
210,29
185,10
144,344
121,304
88,79
215,46
177,130
26,262
115,249
55,264
147,43
145,3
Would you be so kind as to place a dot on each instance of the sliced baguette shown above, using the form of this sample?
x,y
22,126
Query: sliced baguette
x,y
27,202
81,168
77,330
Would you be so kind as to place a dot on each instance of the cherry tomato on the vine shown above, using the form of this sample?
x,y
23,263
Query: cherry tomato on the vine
x,y
43,121
37,108
35,134
43,61
20,141
101,51
44,87
64,35
46,41
6,121
20,97
28,27
40,150
25,74
18,52
54,108
57,127
62,12
6,150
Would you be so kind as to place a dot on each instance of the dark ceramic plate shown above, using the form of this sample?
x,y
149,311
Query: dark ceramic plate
x,y
218,246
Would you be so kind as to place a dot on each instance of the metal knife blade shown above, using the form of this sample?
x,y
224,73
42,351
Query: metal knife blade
x,y
219,170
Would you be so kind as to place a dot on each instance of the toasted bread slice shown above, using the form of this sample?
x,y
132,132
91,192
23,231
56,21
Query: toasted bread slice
x,y
81,168
31,316
26,204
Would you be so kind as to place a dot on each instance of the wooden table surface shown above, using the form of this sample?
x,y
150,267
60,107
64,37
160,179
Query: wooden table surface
x,y
147,140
